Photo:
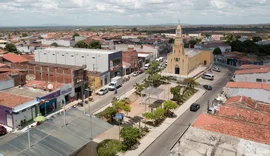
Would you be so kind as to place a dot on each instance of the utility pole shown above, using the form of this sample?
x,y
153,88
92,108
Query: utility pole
x,y
28,134
64,112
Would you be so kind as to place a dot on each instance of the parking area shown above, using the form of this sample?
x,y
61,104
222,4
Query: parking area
x,y
217,76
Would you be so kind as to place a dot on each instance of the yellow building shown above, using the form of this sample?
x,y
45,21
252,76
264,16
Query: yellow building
x,y
182,61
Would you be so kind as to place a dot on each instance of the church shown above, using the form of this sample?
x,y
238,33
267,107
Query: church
x,y
182,61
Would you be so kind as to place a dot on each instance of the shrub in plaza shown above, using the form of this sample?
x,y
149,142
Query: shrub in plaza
x,y
168,106
109,147
130,136
157,116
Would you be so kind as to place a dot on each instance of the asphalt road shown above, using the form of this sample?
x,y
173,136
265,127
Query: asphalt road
x,y
161,146
101,101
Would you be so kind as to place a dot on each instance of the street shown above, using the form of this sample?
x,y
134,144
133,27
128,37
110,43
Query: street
x,y
161,146
101,101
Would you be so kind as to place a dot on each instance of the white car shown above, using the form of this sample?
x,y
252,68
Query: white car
x,y
135,73
216,69
103,91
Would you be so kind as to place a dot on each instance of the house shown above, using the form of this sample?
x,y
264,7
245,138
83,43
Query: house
x,y
13,58
11,77
252,75
144,48
212,45
255,90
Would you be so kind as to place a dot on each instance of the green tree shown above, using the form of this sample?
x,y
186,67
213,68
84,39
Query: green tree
x,y
191,83
94,45
54,44
256,39
109,147
81,44
134,29
75,34
163,36
192,42
120,105
11,48
177,96
130,136
153,68
24,34
139,88
207,35
171,40
217,51
148,115
109,112
169,105
159,114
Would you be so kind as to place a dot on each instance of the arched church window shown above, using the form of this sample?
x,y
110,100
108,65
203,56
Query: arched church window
x,y
176,59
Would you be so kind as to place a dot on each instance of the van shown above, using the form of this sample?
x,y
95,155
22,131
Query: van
x,y
208,76
146,66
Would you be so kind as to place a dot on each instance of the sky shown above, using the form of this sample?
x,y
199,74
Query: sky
x,y
132,12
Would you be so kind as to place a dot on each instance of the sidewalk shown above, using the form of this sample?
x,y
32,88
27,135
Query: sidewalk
x,y
157,131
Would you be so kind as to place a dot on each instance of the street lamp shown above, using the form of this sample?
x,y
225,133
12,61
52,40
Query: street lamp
x,y
91,125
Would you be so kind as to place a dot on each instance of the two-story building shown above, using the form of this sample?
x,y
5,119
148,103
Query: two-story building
x,y
252,75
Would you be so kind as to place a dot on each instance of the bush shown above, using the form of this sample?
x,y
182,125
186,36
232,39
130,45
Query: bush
x,y
109,147
130,136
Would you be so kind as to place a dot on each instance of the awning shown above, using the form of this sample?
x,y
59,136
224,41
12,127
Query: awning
x,y
146,56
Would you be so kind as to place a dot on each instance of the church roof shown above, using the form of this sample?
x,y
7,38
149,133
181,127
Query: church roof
x,y
191,52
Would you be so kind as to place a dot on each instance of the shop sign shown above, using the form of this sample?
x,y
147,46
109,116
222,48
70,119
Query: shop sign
x,y
49,96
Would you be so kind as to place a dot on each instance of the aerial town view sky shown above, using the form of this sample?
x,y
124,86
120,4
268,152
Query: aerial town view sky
x,y
132,12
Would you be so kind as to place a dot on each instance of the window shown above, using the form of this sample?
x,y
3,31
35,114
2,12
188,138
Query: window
x,y
176,59
258,80
93,57
63,55
72,56
264,80
82,56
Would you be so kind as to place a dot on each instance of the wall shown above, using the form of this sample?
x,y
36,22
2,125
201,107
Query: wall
x,y
112,57
193,63
130,57
65,43
99,61
256,94
6,84
27,115
3,114
252,77
206,55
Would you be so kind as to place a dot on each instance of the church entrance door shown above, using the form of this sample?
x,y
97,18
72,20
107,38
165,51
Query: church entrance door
x,y
177,70
205,62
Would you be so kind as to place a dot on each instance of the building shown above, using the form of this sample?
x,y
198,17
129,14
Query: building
x,y
252,75
13,58
130,58
46,73
64,43
107,62
144,48
216,37
11,77
182,61
214,44
255,90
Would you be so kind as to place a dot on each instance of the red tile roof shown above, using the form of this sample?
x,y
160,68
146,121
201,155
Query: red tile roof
x,y
246,130
249,85
251,66
3,65
242,99
11,101
13,58
252,71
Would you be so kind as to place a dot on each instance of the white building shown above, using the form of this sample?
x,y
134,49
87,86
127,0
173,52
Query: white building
x,y
252,75
254,90
65,43
103,61
195,35
129,37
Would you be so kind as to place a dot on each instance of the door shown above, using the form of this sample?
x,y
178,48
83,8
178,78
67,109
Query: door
x,y
205,62
9,120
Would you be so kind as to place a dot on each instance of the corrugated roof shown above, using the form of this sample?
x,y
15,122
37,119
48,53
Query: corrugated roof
x,y
51,138
252,71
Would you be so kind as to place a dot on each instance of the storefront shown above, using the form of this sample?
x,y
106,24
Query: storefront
x,y
48,103
66,93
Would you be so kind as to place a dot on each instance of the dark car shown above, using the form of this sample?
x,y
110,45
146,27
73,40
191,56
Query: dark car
x,y
3,130
207,87
194,107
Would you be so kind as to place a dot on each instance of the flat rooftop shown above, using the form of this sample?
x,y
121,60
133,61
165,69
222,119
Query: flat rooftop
x,y
54,139
197,142
82,50
55,65
25,92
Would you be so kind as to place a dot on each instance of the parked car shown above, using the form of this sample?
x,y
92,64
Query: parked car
x,y
208,76
103,91
135,73
216,69
140,71
207,87
194,107
3,130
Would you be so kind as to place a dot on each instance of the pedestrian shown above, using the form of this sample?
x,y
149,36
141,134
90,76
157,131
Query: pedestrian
x,y
115,91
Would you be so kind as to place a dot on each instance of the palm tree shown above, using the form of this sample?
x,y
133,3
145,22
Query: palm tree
x,y
191,83
139,88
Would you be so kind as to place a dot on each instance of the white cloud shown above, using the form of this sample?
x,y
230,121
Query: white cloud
x,y
137,11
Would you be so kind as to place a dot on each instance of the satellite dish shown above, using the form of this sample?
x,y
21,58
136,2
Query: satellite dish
x,y
50,86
